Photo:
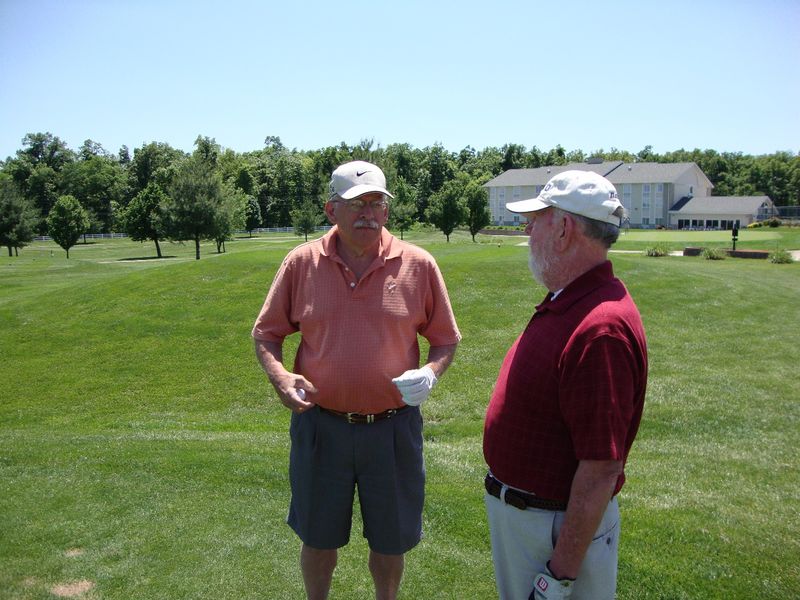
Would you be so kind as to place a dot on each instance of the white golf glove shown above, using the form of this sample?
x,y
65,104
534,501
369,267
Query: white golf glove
x,y
415,385
547,587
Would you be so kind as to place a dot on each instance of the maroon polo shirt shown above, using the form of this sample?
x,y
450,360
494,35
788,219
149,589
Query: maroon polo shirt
x,y
571,388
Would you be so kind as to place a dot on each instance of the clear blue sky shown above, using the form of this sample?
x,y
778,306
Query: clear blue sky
x,y
595,75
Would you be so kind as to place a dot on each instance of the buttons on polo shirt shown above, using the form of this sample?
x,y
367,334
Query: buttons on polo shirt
x,y
352,284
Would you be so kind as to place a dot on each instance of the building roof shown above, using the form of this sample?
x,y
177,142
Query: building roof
x,y
541,175
650,172
617,172
722,205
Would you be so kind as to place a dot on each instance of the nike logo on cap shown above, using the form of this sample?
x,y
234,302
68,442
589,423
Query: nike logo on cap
x,y
361,173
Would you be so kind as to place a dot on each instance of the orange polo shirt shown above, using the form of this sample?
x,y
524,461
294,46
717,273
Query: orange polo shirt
x,y
356,335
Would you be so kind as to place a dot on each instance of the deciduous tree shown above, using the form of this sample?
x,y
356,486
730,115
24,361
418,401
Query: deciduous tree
x,y
477,201
143,218
18,217
152,162
252,215
67,221
447,209
404,206
305,218
194,198
230,215
98,182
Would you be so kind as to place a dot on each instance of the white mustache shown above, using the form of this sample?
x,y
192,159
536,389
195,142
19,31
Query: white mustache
x,y
364,223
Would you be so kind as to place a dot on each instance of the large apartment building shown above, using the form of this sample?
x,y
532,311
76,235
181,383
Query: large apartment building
x,y
673,195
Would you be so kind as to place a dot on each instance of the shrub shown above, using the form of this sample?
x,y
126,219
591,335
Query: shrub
x,y
713,254
657,250
780,257
755,224
774,222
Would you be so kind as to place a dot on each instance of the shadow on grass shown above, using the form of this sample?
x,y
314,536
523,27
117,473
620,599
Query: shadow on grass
x,y
138,258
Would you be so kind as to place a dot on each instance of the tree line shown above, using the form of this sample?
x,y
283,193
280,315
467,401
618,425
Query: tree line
x,y
161,193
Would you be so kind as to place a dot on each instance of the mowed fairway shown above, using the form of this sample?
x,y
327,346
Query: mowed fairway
x,y
143,454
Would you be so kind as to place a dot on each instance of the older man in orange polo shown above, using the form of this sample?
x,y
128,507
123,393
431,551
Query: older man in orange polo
x,y
359,298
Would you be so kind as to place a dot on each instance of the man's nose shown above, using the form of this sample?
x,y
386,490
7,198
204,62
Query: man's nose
x,y
369,207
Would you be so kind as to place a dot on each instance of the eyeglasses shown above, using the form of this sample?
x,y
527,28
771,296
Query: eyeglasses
x,y
356,204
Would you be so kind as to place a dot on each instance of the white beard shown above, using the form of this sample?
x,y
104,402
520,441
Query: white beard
x,y
538,267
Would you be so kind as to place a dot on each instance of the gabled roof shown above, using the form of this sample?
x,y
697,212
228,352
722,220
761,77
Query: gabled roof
x,y
541,175
650,172
615,171
722,205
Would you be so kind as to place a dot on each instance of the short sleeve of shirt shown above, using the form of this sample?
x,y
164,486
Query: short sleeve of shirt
x,y
440,329
274,322
597,396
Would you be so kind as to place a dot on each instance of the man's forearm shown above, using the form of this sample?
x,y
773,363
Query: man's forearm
x,y
286,384
270,355
592,488
440,357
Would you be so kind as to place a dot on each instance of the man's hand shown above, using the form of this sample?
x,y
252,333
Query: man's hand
x,y
416,385
547,587
287,385
293,393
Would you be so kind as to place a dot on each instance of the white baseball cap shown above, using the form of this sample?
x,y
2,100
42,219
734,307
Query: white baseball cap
x,y
355,178
580,192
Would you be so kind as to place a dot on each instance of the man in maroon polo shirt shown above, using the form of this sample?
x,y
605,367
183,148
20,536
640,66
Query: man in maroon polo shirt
x,y
567,404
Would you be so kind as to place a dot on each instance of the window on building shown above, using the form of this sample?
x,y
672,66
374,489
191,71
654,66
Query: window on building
x,y
646,196
626,196
659,199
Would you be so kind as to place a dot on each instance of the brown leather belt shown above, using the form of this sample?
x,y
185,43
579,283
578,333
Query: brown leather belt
x,y
359,418
521,500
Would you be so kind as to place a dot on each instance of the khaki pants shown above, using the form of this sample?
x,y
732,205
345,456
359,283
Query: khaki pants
x,y
523,542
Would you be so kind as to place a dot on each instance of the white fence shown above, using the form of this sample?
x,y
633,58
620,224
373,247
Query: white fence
x,y
100,236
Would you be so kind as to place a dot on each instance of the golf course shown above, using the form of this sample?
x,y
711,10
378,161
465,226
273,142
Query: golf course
x,y
144,455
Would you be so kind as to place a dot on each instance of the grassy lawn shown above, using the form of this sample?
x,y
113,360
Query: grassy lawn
x,y
764,238
144,455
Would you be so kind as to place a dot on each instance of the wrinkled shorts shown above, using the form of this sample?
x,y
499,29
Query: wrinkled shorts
x,y
523,542
330,459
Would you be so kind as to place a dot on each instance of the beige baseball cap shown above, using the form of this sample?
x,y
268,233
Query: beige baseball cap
x,y
580,192
355,178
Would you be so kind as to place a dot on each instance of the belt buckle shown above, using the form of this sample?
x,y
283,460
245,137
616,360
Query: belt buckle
x,y
350,418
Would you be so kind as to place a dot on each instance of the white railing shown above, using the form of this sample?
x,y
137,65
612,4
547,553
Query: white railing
x,y
99,236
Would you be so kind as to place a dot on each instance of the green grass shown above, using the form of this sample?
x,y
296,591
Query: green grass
x,y
142,449
783,238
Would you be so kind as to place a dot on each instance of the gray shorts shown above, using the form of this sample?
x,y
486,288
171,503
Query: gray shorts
x,y
331,458
523,542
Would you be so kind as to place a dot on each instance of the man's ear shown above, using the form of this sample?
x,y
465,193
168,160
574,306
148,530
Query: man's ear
x,y
565,231
329,212
563,228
